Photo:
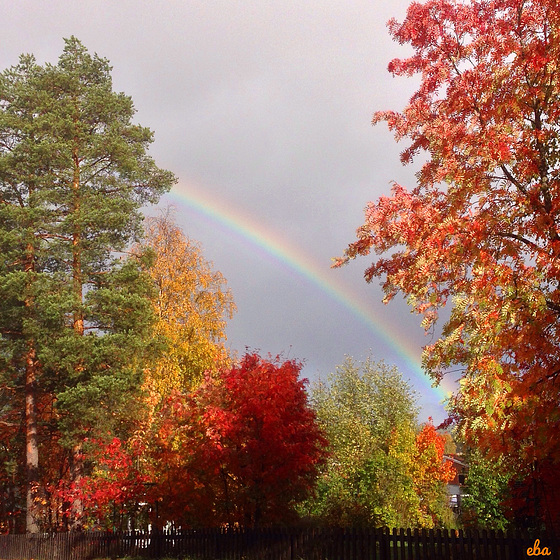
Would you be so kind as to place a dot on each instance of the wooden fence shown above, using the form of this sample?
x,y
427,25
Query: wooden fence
x,y
281,544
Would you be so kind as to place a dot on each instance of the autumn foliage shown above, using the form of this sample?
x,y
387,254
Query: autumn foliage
x,y
113,489
431,471
120,405
258,420
480,231
192,305
243,449
382,470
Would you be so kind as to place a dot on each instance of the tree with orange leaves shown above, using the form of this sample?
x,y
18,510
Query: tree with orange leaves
x,y
431,471
480,232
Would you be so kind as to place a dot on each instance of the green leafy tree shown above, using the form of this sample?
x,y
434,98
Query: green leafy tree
x,y
487,493
368,414
75,314
381,470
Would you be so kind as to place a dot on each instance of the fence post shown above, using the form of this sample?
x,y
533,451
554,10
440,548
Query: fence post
x,y
386,543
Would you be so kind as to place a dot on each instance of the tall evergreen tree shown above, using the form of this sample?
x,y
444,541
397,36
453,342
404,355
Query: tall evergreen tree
x,y
74,174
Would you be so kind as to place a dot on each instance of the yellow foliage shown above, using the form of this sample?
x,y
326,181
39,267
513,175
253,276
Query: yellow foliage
x,y
192,304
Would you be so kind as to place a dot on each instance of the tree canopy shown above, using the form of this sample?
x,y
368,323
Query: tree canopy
x,y
242,449
480,230
191,304
381,470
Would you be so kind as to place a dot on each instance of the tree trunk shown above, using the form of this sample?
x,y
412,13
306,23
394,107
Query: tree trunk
x,y
76,471
78,326
32,447
31,439
77,276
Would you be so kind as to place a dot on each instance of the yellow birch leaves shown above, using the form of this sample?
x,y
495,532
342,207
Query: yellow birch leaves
x,y
192,304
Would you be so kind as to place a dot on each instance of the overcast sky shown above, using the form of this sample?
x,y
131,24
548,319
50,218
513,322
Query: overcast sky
x,y
262,109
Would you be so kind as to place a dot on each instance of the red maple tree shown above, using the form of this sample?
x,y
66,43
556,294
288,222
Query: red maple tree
x,y
480,231
243,449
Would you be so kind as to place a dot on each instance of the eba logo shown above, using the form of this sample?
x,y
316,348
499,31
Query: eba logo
x,y
535,550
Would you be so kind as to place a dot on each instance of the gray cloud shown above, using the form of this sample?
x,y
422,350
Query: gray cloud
x,y
267,106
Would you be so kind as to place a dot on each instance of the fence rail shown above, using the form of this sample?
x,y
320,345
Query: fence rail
x,y
281,544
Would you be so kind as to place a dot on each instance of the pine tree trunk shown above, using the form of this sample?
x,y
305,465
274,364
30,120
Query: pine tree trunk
x,y
78,326
77,276
31,439
32,447
76,471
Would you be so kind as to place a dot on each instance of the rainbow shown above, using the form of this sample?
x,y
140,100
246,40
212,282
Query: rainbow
x,y
322,277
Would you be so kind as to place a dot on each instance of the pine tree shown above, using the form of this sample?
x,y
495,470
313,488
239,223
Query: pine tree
x,y
75,313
